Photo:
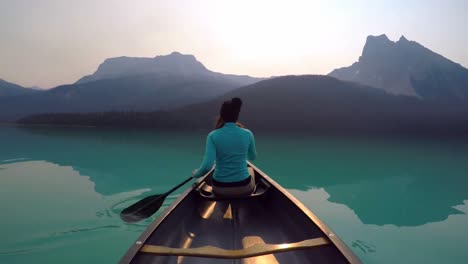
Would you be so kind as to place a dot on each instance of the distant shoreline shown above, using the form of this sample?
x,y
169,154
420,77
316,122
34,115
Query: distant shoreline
x,y
139,128
262,131
44,125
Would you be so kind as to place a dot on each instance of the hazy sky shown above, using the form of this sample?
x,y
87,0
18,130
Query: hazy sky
x,y
53,42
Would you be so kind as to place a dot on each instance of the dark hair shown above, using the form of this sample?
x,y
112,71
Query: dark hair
x,y
229,111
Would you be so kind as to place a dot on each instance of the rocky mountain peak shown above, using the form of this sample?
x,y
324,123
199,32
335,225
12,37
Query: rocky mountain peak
x,y
406,68
403,39
376,44
175,63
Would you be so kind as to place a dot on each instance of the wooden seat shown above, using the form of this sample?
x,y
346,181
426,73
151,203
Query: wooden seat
x,y
252,251
205,190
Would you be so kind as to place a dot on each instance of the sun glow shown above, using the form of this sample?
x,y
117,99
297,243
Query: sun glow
x,y
259,29
268,38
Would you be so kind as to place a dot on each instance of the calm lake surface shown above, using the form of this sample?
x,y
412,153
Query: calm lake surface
x,y
390,199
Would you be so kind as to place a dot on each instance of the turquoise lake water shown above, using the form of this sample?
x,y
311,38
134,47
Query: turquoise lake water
x,y
392,200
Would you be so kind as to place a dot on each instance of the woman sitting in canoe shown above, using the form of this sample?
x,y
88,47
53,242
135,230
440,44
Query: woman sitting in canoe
x,y
229,145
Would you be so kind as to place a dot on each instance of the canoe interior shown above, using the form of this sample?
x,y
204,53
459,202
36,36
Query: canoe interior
x,y
236,224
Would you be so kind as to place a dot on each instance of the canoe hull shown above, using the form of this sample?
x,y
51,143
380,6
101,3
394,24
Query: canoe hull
x,y
274,218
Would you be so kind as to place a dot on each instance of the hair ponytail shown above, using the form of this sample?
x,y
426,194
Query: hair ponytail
x,y
236,104
219,122
229,111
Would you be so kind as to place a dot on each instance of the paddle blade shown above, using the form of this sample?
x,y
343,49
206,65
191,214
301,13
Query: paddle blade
x,y
143,209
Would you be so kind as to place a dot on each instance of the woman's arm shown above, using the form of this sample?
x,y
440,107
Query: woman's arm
x,y
208,160
252,153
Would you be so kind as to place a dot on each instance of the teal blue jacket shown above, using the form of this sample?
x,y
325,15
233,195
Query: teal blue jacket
x,y
230,146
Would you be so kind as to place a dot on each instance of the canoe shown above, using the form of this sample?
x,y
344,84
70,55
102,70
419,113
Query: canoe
x,y
270,226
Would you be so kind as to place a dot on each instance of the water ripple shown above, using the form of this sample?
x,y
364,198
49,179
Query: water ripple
x,y
364,246
84,230
13,160
15,252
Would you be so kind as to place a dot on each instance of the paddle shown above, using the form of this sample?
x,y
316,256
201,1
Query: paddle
x,y
147,206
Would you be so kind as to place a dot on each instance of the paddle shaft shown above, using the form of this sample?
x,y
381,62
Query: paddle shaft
x,y
178,186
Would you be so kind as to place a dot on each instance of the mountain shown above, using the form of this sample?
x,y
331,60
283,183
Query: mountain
x,y
37,88
322,103
125,84
406,68
308,103
11,89
172,64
